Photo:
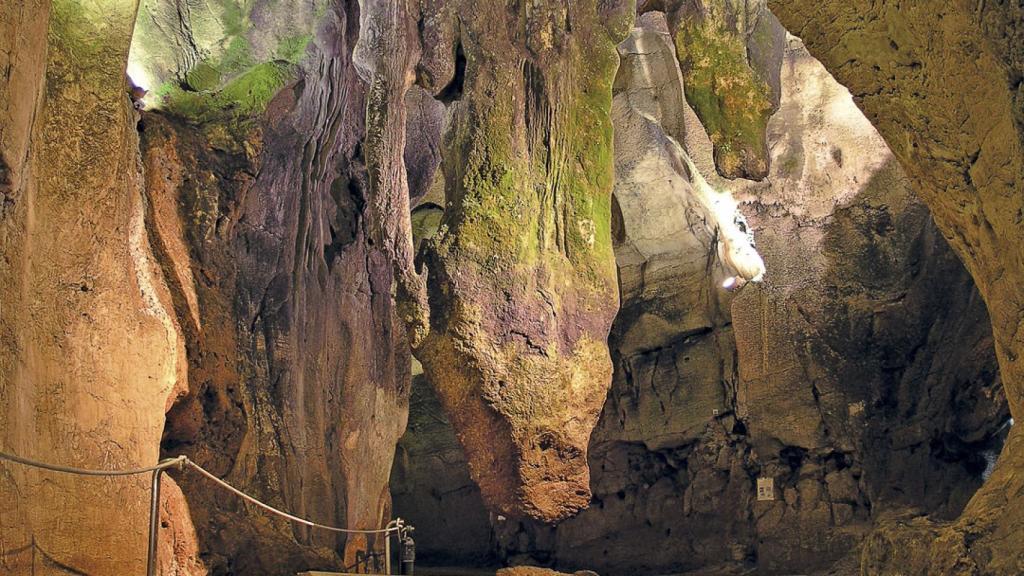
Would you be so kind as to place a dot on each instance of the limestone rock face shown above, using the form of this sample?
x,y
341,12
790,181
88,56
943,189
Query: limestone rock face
x,y
812,384
432,489
182,48
299,369
860,364
90,350
521,276
224,276
939,83
729,53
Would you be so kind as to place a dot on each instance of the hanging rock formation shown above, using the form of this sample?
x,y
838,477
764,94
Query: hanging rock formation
x,y
521,281
728,52
522,277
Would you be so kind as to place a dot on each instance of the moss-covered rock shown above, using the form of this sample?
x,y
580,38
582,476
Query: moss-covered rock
x,y
244,97
521,275
201,60
729,52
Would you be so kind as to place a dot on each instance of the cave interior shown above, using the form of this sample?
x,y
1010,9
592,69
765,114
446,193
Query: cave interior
x,y
625,287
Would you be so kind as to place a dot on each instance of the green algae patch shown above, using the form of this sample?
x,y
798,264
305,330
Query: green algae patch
x,y
203,77
220,55
293,48
245,96
237,57
732,101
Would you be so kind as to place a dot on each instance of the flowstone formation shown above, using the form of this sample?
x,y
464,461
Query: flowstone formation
x,y
521,275
299,369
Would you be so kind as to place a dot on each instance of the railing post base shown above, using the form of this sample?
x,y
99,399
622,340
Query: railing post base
x,y
154,523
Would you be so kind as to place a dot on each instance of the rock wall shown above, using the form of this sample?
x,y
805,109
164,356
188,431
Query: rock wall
x,y
299,370
859,377
511,324
728,52
433,491
222,276
91,351
244,289
940,82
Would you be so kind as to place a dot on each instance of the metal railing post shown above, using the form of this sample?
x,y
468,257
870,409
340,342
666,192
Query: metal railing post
x,y
154,522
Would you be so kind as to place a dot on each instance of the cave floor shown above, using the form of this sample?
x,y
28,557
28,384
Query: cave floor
x,y
847,567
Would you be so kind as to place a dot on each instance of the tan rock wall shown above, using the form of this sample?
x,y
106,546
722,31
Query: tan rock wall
x,y
92,351
938,81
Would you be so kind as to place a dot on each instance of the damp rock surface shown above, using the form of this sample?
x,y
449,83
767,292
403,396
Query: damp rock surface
x,y
237,264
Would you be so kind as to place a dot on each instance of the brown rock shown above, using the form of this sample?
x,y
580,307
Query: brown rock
x,y
300,370
521,282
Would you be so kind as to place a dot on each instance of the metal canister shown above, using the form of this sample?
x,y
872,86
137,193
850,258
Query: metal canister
x,y
408,554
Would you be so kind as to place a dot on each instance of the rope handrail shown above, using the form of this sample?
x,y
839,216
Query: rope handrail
x,y
270,508
182,461
162,465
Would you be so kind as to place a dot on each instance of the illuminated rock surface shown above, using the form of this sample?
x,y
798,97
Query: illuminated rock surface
x,y
940,84
521,286
91,352
298,369
316,189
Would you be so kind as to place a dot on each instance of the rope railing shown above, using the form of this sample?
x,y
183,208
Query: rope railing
x,y
182,462
162,465
281,513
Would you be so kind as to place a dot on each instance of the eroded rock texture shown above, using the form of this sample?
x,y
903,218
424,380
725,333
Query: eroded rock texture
x,y
728,52
521,277
940,82
223,276
250,275
299,370
432,489
91,350
859,377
